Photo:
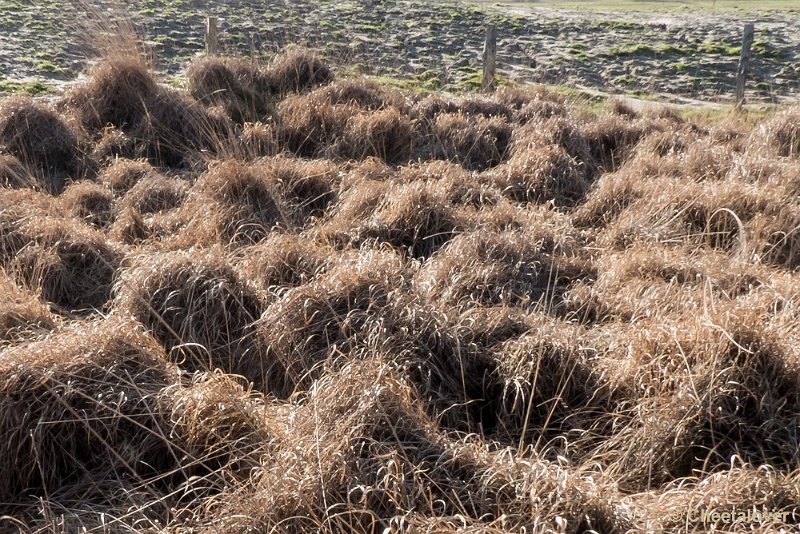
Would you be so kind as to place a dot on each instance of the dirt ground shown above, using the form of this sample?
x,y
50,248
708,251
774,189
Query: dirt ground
x,y
432,45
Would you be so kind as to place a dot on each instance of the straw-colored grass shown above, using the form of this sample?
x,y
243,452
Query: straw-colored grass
x,y
275,302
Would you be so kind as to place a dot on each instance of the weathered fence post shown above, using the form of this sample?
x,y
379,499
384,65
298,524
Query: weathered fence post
x,y
212,36
489,56
744,62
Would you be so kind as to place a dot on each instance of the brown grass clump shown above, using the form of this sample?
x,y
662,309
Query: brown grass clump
x,y
611,139
117,93
491,268
80,418
22,314
475,143
241,87
68,262
548,388
363,451
782,133
706,396
430,107
112,144
719,215
541,175
377,311
89,201
154,194
258,140
38,137
308,187
308,125
618,106
329,316
312,322
451,182
385,134
283,261
414,218
741,491
164,126
233,203
563,131
14,174
359,193
202,311
297,70
123,174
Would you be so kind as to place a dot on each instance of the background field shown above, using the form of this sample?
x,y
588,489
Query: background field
x,y
434,45
708,6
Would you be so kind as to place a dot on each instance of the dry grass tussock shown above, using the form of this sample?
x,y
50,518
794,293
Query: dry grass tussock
x,y
281,302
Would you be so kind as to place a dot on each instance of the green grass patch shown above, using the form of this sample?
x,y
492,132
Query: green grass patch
x,y
720,49
680,67
647,50
26,88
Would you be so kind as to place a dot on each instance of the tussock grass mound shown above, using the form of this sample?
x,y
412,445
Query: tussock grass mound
x,y
37,136
117,93
233,203
281,303
412,218
162,125
541,175
386,134
154,194
309,124
477,143
490,268
73,406
364,420
415,216
197,305
563,131
781,135
14,174
548,389
285,260
258,140
123,174
430,107
296,70
70,263
745,488
89,201
612,138
450,182
241,87
309,187
22,314
316,322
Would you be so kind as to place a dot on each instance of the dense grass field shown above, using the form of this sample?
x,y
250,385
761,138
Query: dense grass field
x,y
276,299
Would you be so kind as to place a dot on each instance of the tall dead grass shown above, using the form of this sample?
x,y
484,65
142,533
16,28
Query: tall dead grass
x,y
278,302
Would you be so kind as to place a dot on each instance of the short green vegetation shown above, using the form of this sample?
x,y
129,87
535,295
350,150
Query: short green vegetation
x,y
25,88
647,50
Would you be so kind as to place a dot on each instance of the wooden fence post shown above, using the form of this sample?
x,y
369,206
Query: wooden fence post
x,y
489,56
212,36
744,62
